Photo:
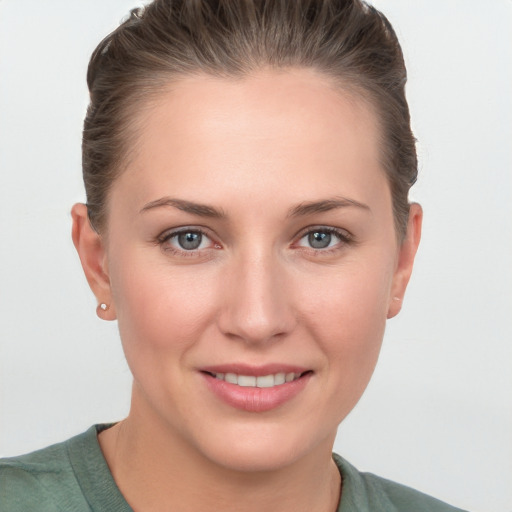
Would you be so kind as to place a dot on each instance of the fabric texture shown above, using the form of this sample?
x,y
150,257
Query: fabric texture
x,y
74,476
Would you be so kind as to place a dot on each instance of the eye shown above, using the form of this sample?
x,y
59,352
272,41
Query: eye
x,y
189,240
185,240
323,238
319,239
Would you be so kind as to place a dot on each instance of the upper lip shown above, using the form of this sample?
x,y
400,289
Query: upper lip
x,y
253,370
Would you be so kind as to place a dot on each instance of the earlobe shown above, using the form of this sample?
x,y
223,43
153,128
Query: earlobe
x,y
405,260
90,247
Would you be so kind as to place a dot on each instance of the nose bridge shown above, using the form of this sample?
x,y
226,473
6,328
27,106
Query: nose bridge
x,y
256,307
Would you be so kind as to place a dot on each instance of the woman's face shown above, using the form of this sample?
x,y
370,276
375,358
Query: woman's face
x,y
251,240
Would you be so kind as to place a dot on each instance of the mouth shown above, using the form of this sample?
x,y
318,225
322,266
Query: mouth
x,y
252,389
262,381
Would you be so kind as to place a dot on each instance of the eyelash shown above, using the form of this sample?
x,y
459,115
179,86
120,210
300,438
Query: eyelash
x,y
344,238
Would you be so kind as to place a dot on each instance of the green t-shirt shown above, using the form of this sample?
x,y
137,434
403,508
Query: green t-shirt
x,y
73,476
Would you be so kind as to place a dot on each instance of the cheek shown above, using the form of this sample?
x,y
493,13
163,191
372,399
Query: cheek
x,y
160,309
347,310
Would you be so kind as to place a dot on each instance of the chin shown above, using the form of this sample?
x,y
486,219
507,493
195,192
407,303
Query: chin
x,y
256,458
264,449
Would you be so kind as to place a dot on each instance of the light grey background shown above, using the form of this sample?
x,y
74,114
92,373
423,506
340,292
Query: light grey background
x,y
438,414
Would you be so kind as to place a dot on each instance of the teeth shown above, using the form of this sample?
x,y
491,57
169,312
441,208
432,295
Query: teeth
x,y
229,377
246,380
264,381
267,381
279,378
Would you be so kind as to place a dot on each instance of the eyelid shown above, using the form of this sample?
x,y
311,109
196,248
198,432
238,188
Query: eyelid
x,y
341,232
172,232
166,233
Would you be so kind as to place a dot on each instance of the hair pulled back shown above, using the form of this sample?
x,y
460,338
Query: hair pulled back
x,y
347,40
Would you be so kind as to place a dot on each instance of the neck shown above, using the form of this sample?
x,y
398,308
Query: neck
x,y
153,466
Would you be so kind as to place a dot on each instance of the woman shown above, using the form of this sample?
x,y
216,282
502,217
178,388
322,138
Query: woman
x,y
247,167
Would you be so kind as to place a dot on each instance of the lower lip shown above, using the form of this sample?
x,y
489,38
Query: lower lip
x,y
253,399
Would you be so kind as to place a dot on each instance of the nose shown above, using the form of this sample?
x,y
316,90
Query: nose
x,y
256,304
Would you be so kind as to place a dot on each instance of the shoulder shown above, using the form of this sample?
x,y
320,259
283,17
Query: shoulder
x,y
367,492
43,480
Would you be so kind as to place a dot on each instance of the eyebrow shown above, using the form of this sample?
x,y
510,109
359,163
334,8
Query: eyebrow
x,y
311,207
202,210
305,208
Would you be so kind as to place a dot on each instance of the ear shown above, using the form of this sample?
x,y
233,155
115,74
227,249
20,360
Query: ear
x,y
91,250
405,260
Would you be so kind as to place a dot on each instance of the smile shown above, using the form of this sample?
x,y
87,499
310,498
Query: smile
x,y
264,381
253,389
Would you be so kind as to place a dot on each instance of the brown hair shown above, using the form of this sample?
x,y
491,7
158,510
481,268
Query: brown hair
x,y
347,40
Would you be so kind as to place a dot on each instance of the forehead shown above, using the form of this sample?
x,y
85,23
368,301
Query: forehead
x,y
288,128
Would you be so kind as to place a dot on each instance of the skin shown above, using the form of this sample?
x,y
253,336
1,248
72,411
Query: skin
x,y
255,292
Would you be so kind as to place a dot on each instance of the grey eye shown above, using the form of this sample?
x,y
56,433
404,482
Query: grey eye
x,y
319,239
189,240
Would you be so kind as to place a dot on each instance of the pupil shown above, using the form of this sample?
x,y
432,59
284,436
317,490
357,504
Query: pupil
x,y
190,240
319,239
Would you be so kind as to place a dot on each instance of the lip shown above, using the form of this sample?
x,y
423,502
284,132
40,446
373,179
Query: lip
x,y
254,399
